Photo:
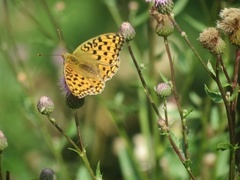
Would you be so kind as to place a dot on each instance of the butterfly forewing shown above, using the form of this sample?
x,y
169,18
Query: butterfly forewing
x,y
92,64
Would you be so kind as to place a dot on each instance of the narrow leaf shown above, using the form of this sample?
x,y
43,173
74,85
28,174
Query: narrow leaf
x,y
215,96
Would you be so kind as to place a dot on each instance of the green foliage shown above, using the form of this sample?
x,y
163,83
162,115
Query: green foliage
x,y
118,127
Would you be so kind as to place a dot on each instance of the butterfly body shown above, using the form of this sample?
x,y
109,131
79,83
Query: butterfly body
x,y
93,63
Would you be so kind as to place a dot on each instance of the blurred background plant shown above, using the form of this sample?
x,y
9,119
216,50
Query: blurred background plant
x,y
118,127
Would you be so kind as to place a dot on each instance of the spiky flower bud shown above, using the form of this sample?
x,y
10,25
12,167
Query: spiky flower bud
x,y
230,24
47,174
3,141
165,26
45,105
163,6
74,102
211,40
163,89
127,31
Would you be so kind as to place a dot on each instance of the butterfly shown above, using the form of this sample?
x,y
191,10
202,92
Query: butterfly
x,y
92,63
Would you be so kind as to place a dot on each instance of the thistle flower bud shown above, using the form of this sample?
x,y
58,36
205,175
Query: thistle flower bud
x,y
47,174
230,24
3,141
163,89
74,102
211,40
165,26
163,6
127,31
45,105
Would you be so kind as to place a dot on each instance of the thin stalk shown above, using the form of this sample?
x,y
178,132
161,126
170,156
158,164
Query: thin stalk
x,y
184,128
82,154
7,175
24,9
230,122
225,70
146,90
183,34
235,79
78,131
51,17
174,146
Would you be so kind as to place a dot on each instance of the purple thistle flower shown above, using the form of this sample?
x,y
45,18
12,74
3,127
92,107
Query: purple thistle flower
x,y
64,87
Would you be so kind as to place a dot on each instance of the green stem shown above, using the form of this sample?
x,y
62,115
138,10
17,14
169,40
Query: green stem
x,y
146,90
78,131
230,122
184,128
51,17
82,154
183,34
174,146
225,70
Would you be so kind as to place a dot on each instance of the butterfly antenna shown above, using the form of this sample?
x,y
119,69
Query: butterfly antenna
x,y
62,44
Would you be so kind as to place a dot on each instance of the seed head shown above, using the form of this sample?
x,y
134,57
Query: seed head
x,y
211,40
230,24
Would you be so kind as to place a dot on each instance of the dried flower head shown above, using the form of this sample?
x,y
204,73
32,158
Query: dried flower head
x,y
230,24
211,40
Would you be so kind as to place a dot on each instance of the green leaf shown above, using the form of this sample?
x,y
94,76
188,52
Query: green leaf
x,y
98,172
163,77
224,146
235,94
215,96
187,112
199,26
210,68
179,6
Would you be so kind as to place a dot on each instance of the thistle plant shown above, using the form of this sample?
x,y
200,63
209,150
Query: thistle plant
x,y
171,111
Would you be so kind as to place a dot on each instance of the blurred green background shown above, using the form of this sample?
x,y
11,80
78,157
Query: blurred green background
x,y
122,111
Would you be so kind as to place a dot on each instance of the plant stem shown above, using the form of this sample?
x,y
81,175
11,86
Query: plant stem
x,y
184,129
175,148
183,34
224,70
78,131
230,121
82,154
234,102
51,17
146,90
171,141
